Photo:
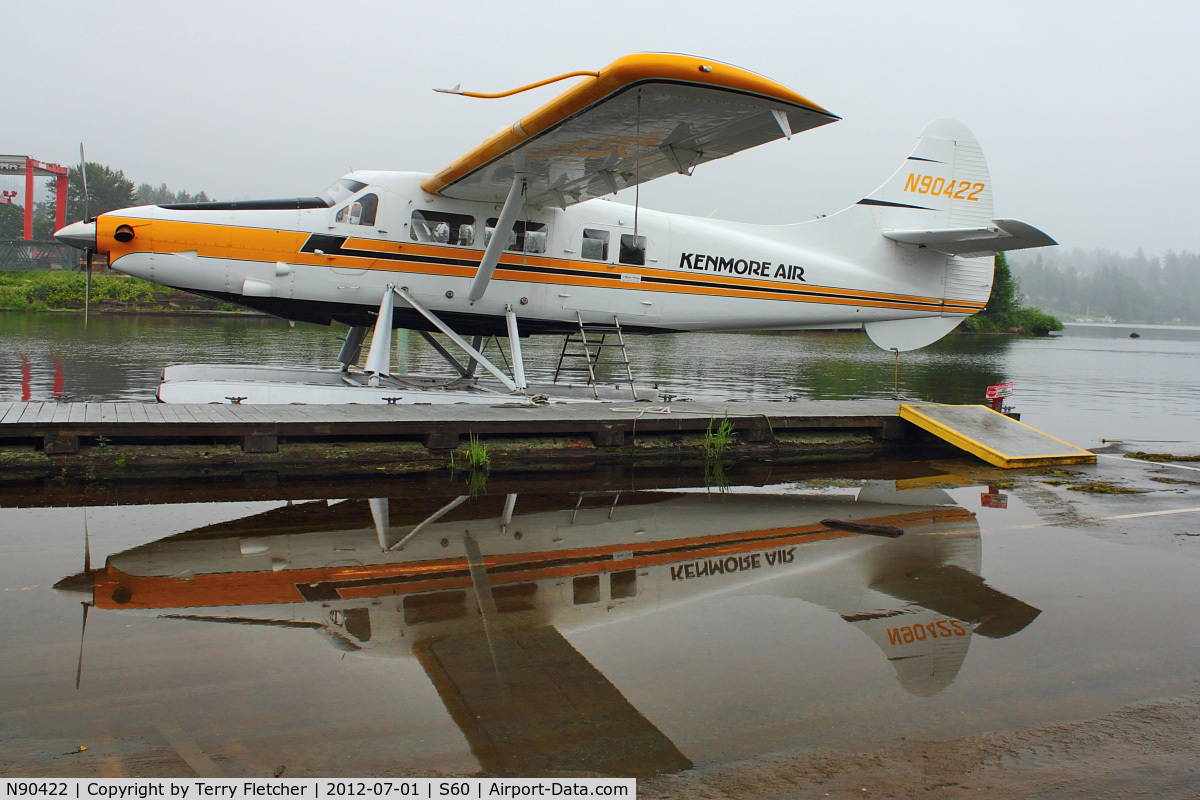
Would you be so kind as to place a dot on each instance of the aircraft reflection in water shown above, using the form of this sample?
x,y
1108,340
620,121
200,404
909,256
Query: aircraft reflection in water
x,y
482,590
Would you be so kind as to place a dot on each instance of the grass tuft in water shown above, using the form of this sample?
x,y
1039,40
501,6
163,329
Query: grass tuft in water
x,y
477,453
1103,487
1160,457
716,441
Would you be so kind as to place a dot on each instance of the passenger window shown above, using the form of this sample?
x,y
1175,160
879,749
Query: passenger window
x,y
623,584
595,244
529,237
442,227
633,249
361,212
586,589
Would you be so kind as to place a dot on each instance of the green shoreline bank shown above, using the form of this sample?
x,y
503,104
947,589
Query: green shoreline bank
x,y
63,291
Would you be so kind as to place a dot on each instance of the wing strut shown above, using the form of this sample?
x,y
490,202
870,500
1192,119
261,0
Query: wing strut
x,y
491,256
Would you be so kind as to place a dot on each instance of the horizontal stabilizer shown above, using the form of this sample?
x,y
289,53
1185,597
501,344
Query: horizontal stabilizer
x,y
1001,235
960,594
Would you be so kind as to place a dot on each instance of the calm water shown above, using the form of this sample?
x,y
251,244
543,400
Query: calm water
x,y
638,627
635,632
1092,383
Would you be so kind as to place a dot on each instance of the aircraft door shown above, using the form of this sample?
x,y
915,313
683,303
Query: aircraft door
x,y
360,217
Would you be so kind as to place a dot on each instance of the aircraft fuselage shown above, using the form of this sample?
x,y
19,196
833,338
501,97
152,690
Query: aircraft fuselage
x,y
331,258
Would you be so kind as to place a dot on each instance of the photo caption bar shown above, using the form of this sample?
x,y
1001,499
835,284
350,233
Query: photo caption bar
x,y
316,788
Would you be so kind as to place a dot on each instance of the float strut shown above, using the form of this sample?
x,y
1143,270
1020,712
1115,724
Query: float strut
x,y
379,358
352,347
514,346
454,337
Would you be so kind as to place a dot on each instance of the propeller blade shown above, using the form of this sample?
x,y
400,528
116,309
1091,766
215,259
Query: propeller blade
x,y
82,631
87,548
83,178
87,292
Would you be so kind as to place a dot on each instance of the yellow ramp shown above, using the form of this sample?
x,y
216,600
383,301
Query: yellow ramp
x,y
990,435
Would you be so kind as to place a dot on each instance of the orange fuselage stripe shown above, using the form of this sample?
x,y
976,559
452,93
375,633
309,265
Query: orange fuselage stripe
x,y
271,587
267,245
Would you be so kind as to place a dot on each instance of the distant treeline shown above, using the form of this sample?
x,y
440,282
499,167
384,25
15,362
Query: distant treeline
x,y
108,190
1094,284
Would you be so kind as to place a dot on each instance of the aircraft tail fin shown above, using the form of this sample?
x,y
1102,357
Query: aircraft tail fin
x,y
944,183
941,199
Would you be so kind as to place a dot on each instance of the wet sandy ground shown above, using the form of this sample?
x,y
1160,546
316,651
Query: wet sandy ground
x,y
1146,749
1116,714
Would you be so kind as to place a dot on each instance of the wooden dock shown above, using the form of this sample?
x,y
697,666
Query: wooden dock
x,y
110,441
63,428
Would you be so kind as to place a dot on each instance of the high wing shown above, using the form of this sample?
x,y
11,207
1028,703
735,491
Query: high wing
x,y
641,117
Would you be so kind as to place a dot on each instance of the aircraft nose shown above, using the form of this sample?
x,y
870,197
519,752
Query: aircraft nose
x,y
81,235
79,586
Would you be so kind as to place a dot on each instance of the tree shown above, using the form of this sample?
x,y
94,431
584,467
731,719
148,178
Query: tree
x,y
1004,289
108,190
149,195
1005,312
12,221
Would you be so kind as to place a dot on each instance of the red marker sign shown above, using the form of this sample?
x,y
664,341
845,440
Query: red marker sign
x,y
1000,390
993,500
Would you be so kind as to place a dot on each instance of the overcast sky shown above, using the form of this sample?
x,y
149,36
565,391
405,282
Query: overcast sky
x,y
1087,111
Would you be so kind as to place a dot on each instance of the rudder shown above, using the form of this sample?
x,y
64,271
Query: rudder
x,y
944,183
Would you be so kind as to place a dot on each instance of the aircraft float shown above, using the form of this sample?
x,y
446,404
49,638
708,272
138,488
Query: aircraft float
x,y
380,250
486,593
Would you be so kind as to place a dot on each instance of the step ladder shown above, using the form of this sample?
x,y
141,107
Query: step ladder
x,y
590,344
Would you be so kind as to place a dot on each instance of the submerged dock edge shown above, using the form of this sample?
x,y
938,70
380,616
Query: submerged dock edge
x,y
113,442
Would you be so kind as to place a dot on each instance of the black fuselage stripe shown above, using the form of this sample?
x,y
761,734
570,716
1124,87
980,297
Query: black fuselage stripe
x,y
616,280
867,201
692,553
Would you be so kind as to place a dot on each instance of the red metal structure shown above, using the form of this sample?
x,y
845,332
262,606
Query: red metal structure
x,y
31,168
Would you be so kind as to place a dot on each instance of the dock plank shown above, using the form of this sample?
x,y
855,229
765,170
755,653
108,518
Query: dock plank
x,y
46,414
225,414
78,412
30,413
261,414
7,409
200,412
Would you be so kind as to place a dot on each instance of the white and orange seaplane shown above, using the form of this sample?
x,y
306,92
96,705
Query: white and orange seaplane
x,y
388,250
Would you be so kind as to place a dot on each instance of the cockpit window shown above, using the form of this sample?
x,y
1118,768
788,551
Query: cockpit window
x,y
442,227
361,212
340,190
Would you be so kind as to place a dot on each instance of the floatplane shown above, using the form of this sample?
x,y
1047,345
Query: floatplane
x,y
382,250
487,592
